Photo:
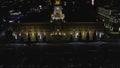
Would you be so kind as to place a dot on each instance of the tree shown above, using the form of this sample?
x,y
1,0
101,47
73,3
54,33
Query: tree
x,y
22,38
9,37
87,37
29,39
44,38
94,36
80,36
71,38
103,37
36,36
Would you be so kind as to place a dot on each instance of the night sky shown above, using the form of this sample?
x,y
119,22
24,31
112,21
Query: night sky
x,y
81,10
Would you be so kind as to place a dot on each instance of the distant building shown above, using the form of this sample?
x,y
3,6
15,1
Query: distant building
x,y
57,29
108,3
109,15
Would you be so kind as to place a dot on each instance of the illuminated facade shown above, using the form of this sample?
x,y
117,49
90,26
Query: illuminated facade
x,y
40,31
57,29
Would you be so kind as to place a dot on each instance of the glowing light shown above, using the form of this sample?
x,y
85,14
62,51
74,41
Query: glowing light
x,y
40,37
93,2
19,34
26,33
11,21
56,33
58,30
13,34
18,21
44,33
71,33
76,35
40,6
111,29
51,34
16,37
32,33
38,33
83,33
64,34
57,8
14,13
65,3
59,33
100,35
73,2
4,20
51,21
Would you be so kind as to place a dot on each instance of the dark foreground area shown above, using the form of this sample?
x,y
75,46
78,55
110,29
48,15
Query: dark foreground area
x,y
60,56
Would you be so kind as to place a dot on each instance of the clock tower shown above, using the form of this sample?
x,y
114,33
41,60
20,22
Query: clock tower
x,y
57,15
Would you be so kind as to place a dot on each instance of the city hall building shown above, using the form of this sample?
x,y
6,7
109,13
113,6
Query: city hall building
x,y
57,29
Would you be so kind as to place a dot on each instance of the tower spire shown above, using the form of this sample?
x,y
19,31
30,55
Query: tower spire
x,y
57,14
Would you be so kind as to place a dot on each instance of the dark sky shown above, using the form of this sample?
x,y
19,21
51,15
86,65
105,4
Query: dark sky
x,y
81,10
